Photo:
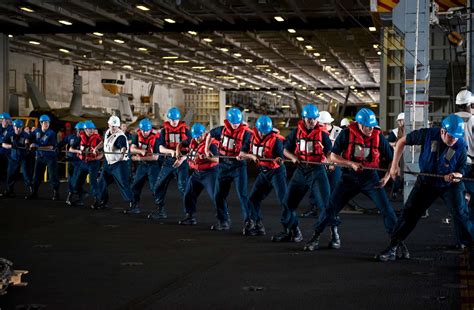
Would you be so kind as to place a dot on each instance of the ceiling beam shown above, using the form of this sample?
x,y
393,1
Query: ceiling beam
x,y
30,15
14,21
177,11
61,11
96,9
295,7
251,4
218,11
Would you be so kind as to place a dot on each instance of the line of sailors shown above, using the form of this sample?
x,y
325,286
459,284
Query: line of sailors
x,y
219,157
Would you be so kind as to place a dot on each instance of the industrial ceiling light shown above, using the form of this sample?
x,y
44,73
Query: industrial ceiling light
x,y
372,29
262,66
26,9
375,46
317,54
352,87
169,20
268,70
119,41
301,39
209,40
279,19
198,67
285,106
337,73
142,7
63,50
65,22
193,33
309,47
182,81
207,70
237,55
322,59
379,53
109,62
224,49
142,49
170,78
127,67
291,30
248,60
34,42
181,61
10,36
294,83
99,34
204,86
169,57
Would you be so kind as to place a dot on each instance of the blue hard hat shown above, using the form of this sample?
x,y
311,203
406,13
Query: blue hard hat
x,y
88,125
454,125
145,124
234,116
310,111
44,118
264,124
197,130
79,125
5,115
366,117
174,114
18,123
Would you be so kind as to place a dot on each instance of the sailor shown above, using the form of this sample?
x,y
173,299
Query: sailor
x,y
360,145
204,174
5,130
173,142
73,160
43,140
443,152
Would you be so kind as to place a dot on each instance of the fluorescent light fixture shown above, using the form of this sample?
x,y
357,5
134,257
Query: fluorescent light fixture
x,y
333,69
10,36
181,61
304,88
262,66
276,74
317,54
209,40
99,34
142,7
207,70
26,9
372,29
170,21
65,22
243,83
193,33
312,92
309,47
170,78
119,41
301,39
228,106
375,46
379,53
34,42
204,86
127,67
142,49
337,73
63,50
268,70
182,81
109,62
225,77
237,55
291,30
169,57
352,87
322,59
285,106
192,84
198,67
248,60
279,19
224,49
294,83
246,110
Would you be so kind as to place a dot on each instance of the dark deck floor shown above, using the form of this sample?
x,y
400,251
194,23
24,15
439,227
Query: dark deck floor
x,y
85,259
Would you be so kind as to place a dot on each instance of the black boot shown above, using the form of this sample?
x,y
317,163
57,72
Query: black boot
x,y
80,201
296,235
389,254
248,227
312,212
189,219
335,242
283,236
402,251
55,195
221,225
313,243
159,214
96,205
132,209
7,194
258,229
69,199
33,194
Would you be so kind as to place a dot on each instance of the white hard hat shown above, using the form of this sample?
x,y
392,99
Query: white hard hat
x,y
345,122
325,117
464,97
401,117
114,121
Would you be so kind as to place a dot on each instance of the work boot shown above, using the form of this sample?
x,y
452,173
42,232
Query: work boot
x,y
311,213
425,215
189,219
159,214
402,251
33,194
248,227
296,235
55,195
389,254
313,243
96,205
283,236
133,208
221,225
335,242
69,199
80,201
7,194
258,229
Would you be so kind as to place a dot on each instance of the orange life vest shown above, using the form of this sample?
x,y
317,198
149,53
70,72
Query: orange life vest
x,y
87,146
232,139
263,148
309,145
363,149
196,150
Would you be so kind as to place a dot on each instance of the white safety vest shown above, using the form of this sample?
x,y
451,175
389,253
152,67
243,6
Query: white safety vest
x,y
109,141
468,133
335,131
